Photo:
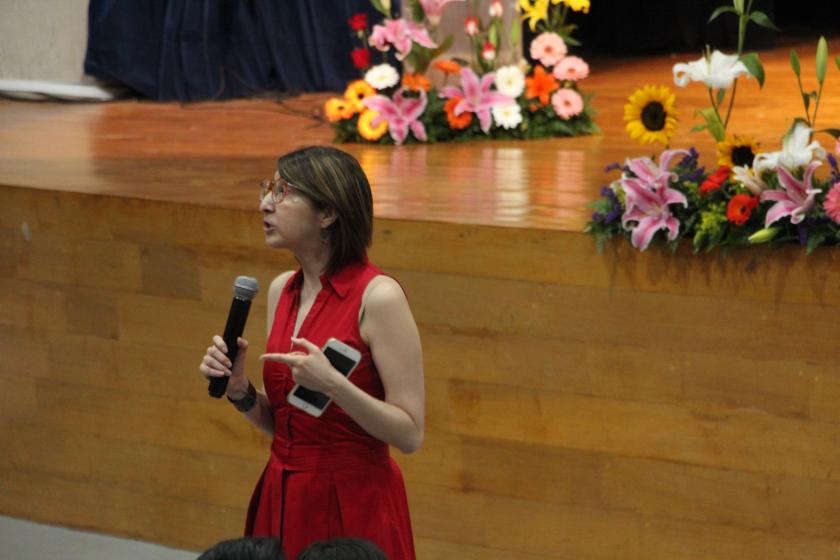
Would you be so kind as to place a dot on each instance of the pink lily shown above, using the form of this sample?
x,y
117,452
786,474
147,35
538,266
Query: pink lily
x,y
401,113
645,169
434,9
476,96
648,197
795,198
400,33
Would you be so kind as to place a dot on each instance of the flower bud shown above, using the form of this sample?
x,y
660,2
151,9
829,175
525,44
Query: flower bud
x,y
488,52
764,235
471,26
496,8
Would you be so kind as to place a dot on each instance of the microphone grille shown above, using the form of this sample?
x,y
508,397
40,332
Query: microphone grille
x,y
245,287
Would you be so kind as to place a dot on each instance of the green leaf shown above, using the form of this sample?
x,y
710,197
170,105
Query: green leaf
x,y
713,123
721,10
822,59
721,94
835,132
761,19
837,61
794,62
493,35
699,127
754,66
442,48
806,99
515,32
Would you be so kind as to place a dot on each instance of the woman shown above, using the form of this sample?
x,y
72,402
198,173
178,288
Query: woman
x,y
331,476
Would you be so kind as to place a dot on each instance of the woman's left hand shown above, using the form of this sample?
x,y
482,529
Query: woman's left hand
x,y
311,369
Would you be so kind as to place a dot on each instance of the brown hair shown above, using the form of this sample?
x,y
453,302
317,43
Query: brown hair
x,y
331,178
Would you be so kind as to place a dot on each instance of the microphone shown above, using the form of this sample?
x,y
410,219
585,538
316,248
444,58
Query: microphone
x,y
244,290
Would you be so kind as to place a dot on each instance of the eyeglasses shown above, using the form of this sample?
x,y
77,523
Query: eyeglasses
x,y
279,189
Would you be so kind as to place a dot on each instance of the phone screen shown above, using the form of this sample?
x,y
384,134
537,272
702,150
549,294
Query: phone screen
x,y
340,362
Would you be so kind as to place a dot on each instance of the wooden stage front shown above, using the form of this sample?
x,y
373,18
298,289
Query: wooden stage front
x,y
615,406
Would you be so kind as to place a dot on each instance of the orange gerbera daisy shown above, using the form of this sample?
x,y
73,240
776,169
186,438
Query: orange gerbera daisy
x,y
369,132
416,82
338,109
447,66
540,85
356,93
456,122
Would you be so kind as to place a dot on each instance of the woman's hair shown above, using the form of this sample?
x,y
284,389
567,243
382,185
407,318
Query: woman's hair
x,y
342,549
246,548
331,178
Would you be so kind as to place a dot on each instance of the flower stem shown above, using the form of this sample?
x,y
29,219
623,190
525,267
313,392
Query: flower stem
x,y
813,122
715,107
802,95
731,102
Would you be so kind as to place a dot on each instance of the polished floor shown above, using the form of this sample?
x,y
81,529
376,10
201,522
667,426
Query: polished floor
x,y
24,540
216,153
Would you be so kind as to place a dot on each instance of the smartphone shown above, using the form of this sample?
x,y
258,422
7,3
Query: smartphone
x,y
344,358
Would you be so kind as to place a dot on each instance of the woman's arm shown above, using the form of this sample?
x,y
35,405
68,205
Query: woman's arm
x,y
389,328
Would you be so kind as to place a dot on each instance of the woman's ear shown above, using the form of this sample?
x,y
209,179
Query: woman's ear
x,y
328,217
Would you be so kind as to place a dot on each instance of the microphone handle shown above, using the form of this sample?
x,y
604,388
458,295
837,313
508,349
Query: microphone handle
x,y
234,328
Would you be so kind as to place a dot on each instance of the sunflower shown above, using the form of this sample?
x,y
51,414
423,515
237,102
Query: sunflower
x,y
338,109
367,130
737,151
650,115
356,93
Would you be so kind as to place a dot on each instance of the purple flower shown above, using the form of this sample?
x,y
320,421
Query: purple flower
x,y
795,199
612,167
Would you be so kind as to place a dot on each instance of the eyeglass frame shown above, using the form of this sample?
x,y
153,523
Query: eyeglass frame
x,y
270,186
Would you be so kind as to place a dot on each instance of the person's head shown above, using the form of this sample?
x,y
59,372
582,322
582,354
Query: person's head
x,y
246,548
342,549
325,199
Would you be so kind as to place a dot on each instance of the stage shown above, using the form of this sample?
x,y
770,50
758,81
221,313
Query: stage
x,y
623,405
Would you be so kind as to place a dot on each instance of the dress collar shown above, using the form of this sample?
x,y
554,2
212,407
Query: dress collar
x,y
339,282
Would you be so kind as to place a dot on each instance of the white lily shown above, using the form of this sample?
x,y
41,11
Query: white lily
x,y
796,152
717,71
749,179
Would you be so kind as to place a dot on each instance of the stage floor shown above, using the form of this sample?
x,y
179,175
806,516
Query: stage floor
x,y
215,153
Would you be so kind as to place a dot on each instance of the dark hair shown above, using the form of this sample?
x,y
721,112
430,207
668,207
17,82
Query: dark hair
x,y
342,549
331,178
246,548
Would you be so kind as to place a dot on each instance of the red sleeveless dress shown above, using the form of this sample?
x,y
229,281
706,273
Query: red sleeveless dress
x,y
326,477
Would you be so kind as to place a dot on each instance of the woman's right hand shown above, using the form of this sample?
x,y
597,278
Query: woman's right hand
x,y
216,364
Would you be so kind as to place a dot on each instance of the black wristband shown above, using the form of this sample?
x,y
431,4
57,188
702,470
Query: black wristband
x,y
247,402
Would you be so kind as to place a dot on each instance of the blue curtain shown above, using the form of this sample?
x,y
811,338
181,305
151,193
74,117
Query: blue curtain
x,y
190,50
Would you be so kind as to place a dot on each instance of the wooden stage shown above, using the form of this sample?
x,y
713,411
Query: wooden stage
x,y
580,406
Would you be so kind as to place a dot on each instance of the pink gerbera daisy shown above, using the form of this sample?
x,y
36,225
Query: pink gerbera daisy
x,y
832,203
572,69
567,103
549,48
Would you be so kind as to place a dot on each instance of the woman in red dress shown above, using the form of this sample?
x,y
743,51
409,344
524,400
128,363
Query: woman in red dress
x,y
331,476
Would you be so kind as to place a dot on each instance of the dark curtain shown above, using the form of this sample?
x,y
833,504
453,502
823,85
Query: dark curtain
x,y
191,50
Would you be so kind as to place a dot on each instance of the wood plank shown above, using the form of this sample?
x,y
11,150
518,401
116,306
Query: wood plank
x,y
666,539
476,519
712,436
165,472
105,508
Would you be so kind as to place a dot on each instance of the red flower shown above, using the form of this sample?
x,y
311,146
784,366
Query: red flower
x,y
740,208
358,22
361,58
715,180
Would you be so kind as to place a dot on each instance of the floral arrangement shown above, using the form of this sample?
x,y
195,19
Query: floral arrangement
x,y
494,94
750,196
